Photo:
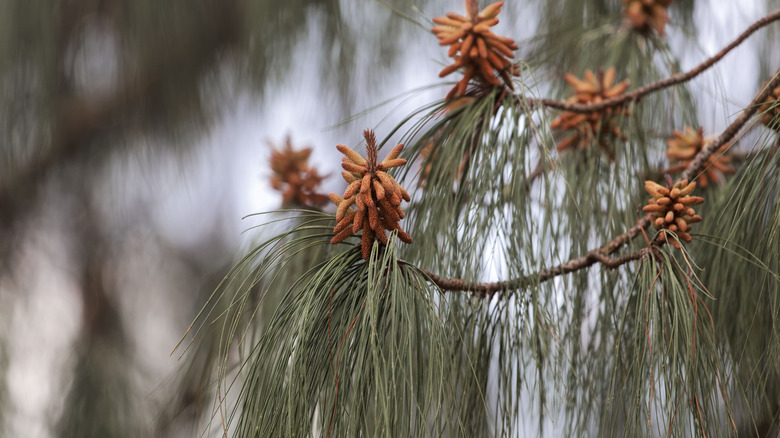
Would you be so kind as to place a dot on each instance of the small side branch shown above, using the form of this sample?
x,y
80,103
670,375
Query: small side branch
x,y
490,288
588,260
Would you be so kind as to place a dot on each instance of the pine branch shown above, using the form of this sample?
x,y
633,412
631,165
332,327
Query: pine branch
x,y
602,254
731,131
640,92
637,94
488,289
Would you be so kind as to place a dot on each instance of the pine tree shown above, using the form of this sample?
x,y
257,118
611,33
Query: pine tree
x,y
638,261
572,235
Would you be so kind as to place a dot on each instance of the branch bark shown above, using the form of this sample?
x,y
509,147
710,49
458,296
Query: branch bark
x,y
602,254
489,289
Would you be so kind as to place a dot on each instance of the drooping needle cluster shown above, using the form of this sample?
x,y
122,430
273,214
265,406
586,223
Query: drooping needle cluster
x,y
597,126
295,178
644,15
683,146
483,55
672,207
430,153
376,194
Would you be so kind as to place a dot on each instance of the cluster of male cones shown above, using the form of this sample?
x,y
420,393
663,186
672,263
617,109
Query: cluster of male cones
x,y
372,201
376,194
671,206
600,126
483,55
644,15
683,146
294,177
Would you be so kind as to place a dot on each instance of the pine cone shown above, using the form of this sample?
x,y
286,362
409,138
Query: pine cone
x,y
644,15
599,125
376,195
770,109
683,146
481,53
672,208
294,178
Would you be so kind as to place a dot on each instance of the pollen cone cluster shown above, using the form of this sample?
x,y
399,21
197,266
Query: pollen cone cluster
x,y
483,55
683,146
671,206
376,195
597,126
770,109
646,14
294,178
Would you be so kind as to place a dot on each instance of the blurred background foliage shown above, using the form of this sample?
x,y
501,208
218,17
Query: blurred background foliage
x,y
133,139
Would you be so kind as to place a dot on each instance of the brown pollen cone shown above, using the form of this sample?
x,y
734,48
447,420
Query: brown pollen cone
x,y
644,15
483,55
294,178
770,109
600,126
671,206
376,195
683,146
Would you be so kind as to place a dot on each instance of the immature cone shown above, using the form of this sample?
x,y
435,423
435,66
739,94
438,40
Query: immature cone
x,y
671,206
483,55
294,178
770,109
596,126
683,146
375,193
644,15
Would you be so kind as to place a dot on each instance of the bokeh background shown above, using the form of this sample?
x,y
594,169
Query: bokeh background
x,y
135,135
